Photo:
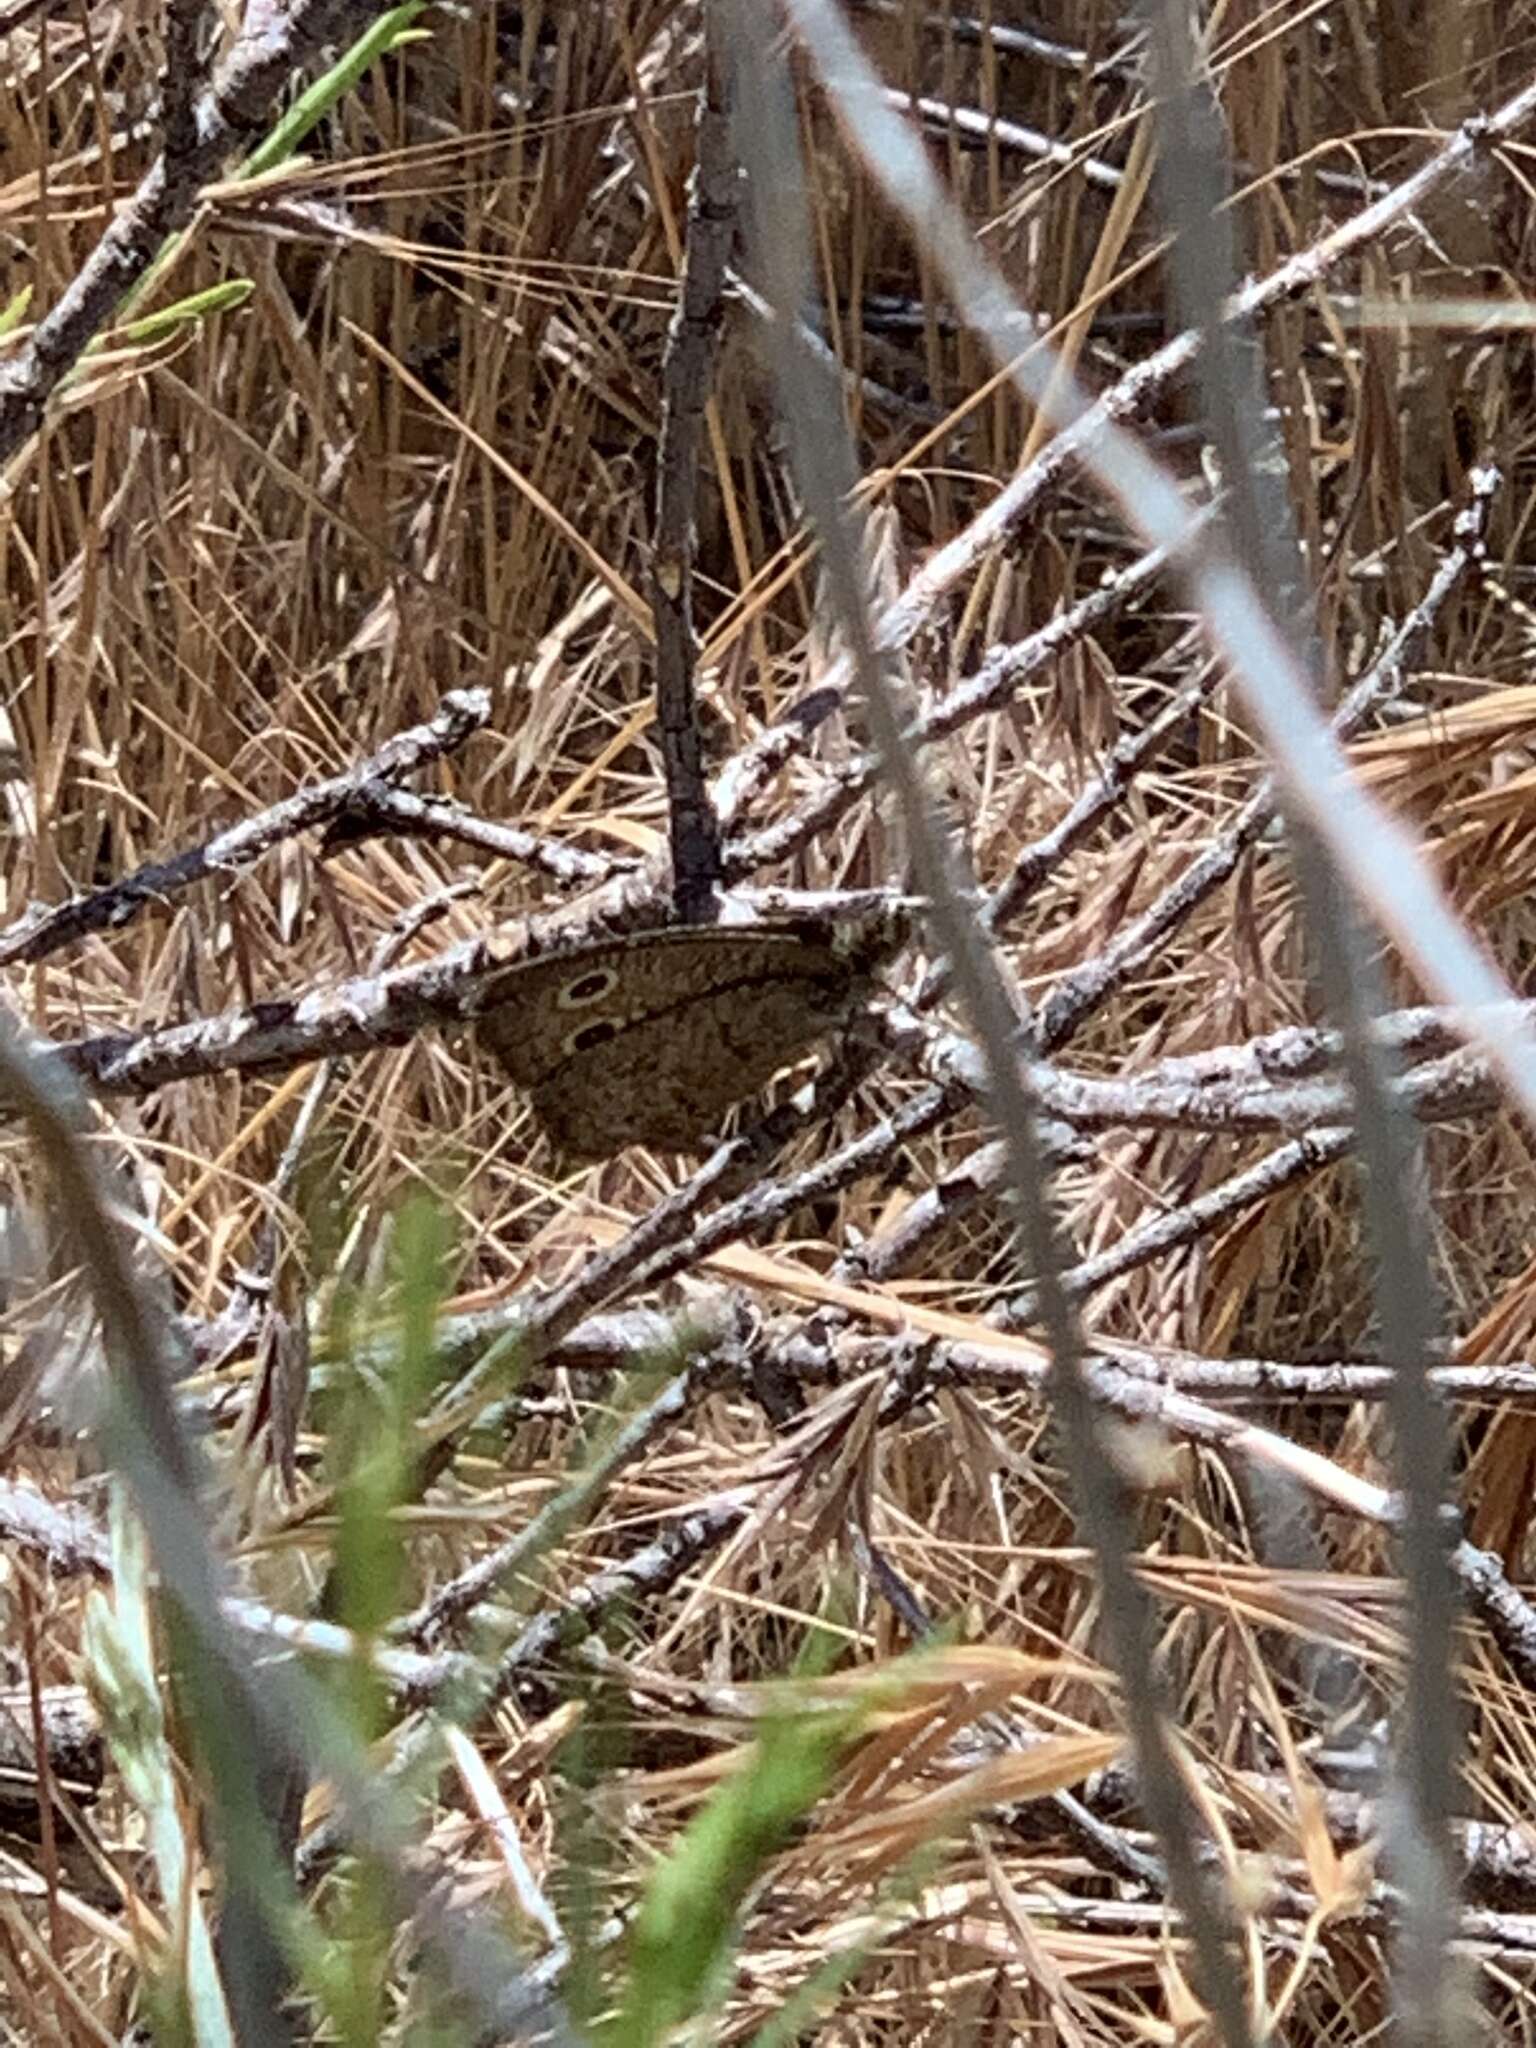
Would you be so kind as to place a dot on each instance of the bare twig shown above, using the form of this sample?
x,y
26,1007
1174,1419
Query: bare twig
x,y
450,1603
65,1538
45,930
1458,1083
1192,1220
1034,864
378,807
375,1010
1078,995
1001,675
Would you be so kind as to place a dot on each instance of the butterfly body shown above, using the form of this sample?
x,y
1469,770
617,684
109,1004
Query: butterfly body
x,y
650,1038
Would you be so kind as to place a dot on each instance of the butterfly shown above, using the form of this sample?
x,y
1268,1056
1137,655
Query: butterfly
x,y
649,1038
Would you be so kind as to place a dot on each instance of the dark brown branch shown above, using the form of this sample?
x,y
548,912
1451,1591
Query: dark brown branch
x,y
693,349
182,78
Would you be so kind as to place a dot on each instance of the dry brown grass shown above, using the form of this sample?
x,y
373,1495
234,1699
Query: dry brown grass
x,y
240,559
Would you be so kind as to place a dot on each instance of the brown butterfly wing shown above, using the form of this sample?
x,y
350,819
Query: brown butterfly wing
x,y
667,1079
531,1010
650,1041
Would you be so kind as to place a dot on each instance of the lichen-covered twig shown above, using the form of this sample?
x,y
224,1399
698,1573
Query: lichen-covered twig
x,y
1002,673
48,929
1078,995
379,807
372,1011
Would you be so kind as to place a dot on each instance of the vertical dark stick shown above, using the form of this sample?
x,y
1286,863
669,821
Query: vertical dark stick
x,y
693,347
183,77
